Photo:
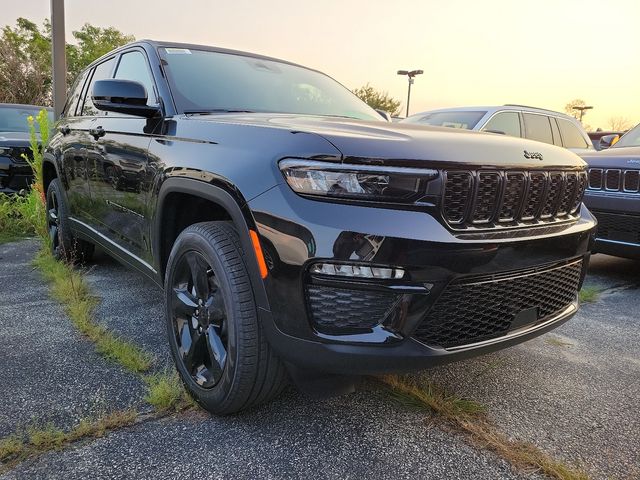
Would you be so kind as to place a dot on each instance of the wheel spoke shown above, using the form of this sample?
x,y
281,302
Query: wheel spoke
x,y
198,274
186,304
217,352
215,306
191,346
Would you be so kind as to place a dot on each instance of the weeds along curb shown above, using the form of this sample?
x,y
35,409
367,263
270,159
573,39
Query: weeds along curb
x,y
165,391
469,418
70,289
34,442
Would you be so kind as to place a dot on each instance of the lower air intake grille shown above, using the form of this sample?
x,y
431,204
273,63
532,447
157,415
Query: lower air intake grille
x,y
335,309
482,308
618,227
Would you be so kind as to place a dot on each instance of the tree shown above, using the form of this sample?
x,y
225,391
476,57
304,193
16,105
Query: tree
x,y
378,100
25,58
620,124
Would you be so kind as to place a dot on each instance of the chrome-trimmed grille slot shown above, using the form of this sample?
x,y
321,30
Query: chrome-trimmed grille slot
x,y
612,179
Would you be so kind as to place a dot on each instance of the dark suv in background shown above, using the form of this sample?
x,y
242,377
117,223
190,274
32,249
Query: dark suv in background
x,y
296,233
15,171
614,195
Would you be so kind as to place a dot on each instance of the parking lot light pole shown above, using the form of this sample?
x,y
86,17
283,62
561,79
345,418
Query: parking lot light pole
x,y
410,74
58,58
582,109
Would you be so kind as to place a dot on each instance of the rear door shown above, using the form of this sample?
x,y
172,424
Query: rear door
x,y
117,153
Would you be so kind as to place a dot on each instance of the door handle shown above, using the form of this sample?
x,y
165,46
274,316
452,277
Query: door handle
x,y
64,129
97,132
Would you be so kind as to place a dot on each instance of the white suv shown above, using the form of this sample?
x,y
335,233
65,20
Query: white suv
x,y
516,120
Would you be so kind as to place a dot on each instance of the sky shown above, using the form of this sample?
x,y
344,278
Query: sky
x,y
543,53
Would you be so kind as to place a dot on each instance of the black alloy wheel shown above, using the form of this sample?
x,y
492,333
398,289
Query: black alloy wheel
x,y
217,343
64,246
200,319
53,222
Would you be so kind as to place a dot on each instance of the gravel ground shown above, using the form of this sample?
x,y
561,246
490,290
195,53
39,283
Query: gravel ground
x,y
572,399
577,399
48,372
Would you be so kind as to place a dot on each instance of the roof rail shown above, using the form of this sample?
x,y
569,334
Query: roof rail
x,y
529,106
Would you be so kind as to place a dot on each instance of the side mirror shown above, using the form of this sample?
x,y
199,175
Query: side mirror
x,y
384,114
123,96
608,141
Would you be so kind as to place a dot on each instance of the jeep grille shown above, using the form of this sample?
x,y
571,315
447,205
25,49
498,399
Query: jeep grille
x,y
491,198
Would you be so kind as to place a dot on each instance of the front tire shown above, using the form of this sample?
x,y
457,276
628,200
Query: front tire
x,y
217,344
64,246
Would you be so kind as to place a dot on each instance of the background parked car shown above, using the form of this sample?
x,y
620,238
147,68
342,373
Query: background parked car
x,y
15,172
613,196
516,120
602,139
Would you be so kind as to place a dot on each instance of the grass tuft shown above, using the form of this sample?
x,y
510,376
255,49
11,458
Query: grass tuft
x,y
589,294
468,417
71,290
557,342
11,447
37,441
166,392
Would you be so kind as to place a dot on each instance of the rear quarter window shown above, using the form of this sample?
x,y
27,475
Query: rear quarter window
x,y
571,136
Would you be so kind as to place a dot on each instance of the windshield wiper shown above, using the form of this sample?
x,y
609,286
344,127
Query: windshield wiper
x,y
216,110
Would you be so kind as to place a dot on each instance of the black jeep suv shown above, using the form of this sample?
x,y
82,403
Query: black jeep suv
x,y
298,234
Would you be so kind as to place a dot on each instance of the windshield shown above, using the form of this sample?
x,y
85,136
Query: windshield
x,y
630,139
464,120
14,118
203,81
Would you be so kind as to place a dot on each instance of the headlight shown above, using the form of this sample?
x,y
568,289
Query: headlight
x,y
360,182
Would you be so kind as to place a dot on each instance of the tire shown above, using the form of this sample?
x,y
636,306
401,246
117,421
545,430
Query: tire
x,y
217,344
64,246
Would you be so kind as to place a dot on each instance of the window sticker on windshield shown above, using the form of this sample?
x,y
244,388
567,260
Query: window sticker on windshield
x,y
178,51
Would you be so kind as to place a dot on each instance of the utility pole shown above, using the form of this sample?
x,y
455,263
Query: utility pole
x,y
410,74
58,56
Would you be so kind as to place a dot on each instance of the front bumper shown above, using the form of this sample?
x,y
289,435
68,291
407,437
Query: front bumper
x,y
296,232
14,176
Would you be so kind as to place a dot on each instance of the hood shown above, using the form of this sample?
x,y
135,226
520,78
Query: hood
x,y
617,157
411,144
14,139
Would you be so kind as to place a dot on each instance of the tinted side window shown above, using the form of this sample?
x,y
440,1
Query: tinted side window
x,y
571,136
133,66
101,72
506,122
538,127
74,96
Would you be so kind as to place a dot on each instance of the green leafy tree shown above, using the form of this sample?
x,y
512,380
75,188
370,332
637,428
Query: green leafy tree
x,y
378,100
25,58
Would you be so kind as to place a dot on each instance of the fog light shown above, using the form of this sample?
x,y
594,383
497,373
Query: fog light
x,y
357,271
